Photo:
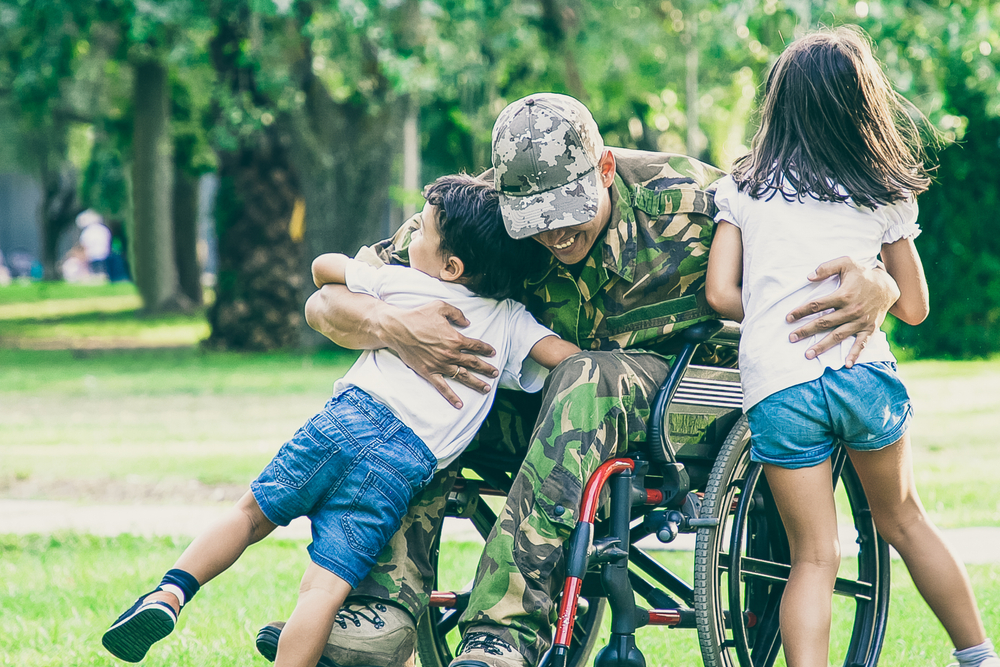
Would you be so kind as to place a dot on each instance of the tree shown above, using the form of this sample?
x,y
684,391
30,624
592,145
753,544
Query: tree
x,y
257,302
303,104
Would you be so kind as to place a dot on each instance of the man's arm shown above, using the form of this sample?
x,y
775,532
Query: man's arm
x,y
425,338
860,304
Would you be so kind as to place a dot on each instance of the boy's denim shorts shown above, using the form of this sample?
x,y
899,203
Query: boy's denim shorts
x,y
352,469
864,408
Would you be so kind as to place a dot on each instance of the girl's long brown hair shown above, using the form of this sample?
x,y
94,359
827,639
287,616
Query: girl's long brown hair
x,y
833,128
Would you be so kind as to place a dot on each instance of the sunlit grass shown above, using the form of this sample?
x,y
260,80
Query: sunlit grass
x,y
153,415
60,593
56,315
57,291
954,435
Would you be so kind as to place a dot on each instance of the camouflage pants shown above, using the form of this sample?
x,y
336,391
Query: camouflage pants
x,y
593,406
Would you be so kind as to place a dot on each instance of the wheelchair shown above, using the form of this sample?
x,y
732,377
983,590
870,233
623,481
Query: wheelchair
x,y
694,475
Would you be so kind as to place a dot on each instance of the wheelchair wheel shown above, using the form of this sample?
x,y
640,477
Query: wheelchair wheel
x,y
741,567
437,628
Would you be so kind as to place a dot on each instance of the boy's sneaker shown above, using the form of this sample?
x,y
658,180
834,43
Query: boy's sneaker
x,y
144,624
482,649
366,633
988,662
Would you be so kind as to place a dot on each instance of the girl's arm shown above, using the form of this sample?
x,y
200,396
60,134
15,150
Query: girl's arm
x,y
551,350
903,263
330,268
724,282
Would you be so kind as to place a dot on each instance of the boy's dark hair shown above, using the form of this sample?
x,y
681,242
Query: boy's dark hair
x,y
471,228
832,120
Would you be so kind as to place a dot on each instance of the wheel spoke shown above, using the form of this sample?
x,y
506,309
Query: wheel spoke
x,y
757,568
662,575
851,588
767,639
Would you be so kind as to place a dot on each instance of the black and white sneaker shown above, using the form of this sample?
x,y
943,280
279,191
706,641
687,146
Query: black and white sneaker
x,y
366,633
144,624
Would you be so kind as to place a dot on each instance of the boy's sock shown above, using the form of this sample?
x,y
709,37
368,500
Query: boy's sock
x,y
974,656
146,623
181,584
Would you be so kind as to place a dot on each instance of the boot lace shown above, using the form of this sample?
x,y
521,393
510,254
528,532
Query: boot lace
x,y
355,613
484,641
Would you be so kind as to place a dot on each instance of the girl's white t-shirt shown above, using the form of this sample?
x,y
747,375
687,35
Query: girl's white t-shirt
x,y
783,242
505,325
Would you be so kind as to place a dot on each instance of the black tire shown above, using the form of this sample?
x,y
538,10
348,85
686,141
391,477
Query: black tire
x,y
436,649
741,566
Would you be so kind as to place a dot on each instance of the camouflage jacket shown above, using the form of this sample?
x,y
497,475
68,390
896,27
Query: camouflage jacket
x,y
646,279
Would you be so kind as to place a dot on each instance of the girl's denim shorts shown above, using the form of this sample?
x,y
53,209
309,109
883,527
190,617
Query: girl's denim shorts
x,y
352,469
864,408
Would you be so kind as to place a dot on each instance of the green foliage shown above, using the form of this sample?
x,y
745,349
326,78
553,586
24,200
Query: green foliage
x,y
960,244
676,75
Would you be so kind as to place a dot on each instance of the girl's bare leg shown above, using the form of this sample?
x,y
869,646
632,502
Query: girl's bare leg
x,y
303,638
887,476
216,549
804,497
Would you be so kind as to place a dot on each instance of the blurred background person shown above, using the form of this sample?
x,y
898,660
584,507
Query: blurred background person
x,y
95,239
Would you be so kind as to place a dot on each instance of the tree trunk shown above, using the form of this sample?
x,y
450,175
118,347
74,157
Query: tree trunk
x,y
155,268
411,155
185,209
259,279
344,153
560,25
695,138
60,206
258,303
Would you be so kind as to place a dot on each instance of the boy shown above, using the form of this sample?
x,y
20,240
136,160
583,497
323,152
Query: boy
x,y
354,467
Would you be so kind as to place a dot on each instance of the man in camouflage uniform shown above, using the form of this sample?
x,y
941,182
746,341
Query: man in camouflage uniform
x,y
629,234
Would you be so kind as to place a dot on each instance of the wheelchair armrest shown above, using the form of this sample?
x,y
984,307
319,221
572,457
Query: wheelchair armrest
x,y
728,334
657,440
701,332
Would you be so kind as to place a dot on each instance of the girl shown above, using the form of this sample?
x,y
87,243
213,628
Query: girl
x,y
834,171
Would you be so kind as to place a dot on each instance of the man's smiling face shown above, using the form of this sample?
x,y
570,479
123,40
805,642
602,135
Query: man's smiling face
x,y
571,245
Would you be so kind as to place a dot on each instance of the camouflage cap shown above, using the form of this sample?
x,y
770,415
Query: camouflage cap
x,y
545,153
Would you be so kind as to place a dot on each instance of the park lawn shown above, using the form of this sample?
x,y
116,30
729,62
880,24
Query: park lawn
x,y
956,447
61,592
75,419
56,316
86,294
170,415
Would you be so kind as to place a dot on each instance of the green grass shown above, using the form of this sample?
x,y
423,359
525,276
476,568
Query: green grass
x,y
218,417
154,415
955,435
73,419
35,292
63,316
59,593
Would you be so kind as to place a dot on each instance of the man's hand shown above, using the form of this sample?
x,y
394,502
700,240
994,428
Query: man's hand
x,y
426,340
859,307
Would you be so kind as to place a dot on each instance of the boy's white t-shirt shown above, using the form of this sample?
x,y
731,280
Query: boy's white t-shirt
x,y
505,325
783,242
